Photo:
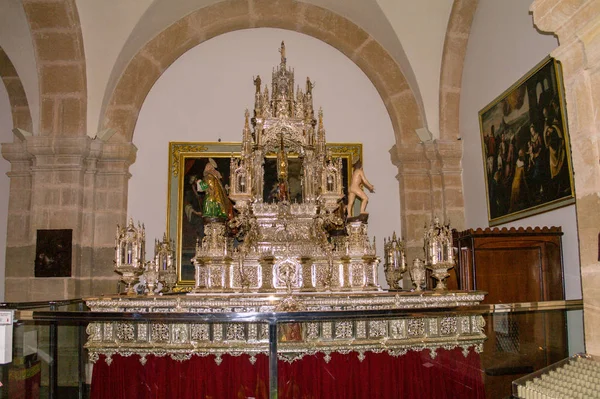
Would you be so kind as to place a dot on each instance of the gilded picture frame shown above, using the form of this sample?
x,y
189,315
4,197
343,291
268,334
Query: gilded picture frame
x,y
186,163
525,146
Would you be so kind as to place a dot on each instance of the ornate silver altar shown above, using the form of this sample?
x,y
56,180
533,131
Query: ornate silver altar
x,y
288,255
286,245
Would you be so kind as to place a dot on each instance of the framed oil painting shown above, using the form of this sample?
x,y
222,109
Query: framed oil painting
x,y
187,161
53,253
525,144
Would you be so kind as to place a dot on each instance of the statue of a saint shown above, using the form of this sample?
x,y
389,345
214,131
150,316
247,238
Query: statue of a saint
x,y
282,173
257,83
282,162
356,188
216,203
282,51
309,86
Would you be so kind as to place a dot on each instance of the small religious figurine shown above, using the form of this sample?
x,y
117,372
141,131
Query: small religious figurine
x,y
356,188
309,86
282,174
257,83
283,191
282,51
216,204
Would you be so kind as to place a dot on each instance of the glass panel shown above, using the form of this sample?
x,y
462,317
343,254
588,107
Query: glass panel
x,y
521,343
317,357
28,371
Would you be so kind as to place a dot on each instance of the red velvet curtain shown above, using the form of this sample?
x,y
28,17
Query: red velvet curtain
x,y
414,375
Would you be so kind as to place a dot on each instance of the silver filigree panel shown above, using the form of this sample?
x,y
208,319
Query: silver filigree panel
x,y
465,325
343,330
357,273
416,327
216,276
94,331
235,332
252,332
142,332
448,326
361,329
200,332
180,333
327,330
218,332
312,331
108,331
398,329
433,326
125,332
377,328
160,332
264,332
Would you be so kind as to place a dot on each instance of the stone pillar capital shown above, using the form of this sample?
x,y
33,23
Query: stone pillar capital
x,y
409,158
52,152
545,20
115,151
449,153
15,152
565,18
117,156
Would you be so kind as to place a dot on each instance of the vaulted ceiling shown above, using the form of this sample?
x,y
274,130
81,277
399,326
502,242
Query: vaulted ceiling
x,y
413,34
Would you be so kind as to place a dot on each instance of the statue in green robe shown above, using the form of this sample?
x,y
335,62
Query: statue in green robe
x,y
216,203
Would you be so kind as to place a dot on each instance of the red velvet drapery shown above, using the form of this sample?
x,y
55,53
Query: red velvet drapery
x,y
414,375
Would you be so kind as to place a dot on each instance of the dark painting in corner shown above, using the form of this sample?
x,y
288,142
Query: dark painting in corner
x,y
526,152
53,253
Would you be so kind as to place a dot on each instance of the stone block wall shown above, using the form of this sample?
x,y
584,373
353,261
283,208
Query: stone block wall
x,y
577,25
74,183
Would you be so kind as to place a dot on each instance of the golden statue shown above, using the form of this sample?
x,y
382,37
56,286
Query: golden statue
x,y
282,173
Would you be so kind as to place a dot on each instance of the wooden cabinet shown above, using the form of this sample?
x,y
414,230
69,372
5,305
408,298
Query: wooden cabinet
x,y
515,265
512,265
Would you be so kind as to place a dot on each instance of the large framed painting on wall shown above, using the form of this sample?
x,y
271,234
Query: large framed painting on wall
x,y
187,161
526,151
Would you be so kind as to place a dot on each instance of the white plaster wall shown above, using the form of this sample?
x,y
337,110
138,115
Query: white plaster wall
x,y
203,95
6,125
15,39
102,46
421,25
504,45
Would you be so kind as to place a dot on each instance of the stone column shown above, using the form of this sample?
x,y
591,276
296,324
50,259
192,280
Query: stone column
x,y
65,182
105,206
20,243
416,201
449,153
430,183
55,188
577,25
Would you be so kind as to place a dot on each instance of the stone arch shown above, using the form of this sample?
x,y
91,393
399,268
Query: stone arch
x,y
21,114
58,45
453,58
158,54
